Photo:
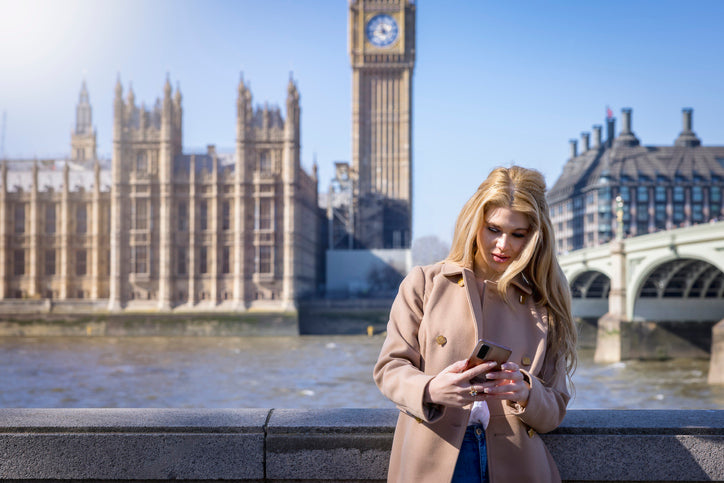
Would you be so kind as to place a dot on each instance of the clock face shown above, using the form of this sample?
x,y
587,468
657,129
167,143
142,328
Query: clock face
x,y
382,30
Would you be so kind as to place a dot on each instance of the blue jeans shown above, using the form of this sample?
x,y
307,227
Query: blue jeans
x,y
472,465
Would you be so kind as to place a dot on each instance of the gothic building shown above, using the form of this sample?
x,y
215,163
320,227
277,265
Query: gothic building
x,y
382,54
658,187
158,229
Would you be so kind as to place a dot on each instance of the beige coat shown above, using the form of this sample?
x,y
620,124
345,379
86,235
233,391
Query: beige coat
x,y
435,320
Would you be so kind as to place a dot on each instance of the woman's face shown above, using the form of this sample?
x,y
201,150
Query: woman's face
x,y
501,239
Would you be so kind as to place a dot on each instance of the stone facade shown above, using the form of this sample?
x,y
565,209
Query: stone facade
x,y
382,54
159,229
660,187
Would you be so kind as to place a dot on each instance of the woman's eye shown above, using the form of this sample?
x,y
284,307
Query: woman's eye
x,y
519,235
493,230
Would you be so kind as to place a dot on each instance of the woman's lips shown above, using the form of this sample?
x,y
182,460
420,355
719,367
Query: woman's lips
x,y
500,258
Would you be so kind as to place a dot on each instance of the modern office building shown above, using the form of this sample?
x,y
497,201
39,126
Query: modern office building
x,y
660,187
382,54
155,228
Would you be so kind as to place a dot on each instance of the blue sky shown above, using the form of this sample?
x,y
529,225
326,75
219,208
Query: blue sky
x,y
495,82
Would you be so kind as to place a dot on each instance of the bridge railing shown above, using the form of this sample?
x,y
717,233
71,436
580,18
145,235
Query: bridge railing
x,y
341,445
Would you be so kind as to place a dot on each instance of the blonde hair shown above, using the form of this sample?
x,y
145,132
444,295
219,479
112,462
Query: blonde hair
x,y
523,190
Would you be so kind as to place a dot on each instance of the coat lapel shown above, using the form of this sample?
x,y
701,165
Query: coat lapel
x,y
457,273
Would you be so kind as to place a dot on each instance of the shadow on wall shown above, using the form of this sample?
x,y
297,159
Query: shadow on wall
x,y
366,273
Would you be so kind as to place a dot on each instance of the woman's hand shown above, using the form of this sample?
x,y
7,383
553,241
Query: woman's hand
x,y
453,386
507,384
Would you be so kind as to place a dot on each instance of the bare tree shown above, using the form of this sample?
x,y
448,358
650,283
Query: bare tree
x,y
428,249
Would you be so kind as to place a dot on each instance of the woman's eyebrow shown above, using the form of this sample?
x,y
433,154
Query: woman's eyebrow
x,y
494,225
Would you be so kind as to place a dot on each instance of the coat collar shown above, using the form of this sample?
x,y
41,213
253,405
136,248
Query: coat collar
x,y
450,269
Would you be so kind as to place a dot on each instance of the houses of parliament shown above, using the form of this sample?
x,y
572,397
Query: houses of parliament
x,y
158,229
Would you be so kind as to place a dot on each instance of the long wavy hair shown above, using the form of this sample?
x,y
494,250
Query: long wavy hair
x,y
523,190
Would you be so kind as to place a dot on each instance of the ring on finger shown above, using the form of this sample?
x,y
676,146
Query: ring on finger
x,y
473,391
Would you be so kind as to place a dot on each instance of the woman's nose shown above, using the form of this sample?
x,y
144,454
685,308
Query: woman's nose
x,y
502,242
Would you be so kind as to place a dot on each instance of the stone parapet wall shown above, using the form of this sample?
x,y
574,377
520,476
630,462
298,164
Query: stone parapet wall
x,y
340,445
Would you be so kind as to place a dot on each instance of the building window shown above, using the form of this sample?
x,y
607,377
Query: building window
x,y
660,194
642,193
697,213
183,216
80,262
140,259
697,194
678,213
264,214
265,259
625,195
20,218
203,266
642,212
678,194
50,218
19,262
660,215
140,214
50,262
265,162
225,260
181,261
81,220
204,215
226,215
141,162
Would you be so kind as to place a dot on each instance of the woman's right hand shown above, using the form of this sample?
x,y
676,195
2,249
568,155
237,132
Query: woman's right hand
x,y
453,386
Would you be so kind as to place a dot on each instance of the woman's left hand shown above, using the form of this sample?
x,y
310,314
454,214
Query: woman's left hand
x,y
507,384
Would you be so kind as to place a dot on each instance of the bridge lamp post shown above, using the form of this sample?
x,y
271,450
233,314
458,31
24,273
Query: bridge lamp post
x,y
619,217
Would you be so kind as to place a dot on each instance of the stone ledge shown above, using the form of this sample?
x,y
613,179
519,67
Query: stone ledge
x,y
349,445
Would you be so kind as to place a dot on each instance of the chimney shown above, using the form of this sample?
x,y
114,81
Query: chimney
x,y
627,137
597,136
626,120
687,136
574,148
610,131
585,142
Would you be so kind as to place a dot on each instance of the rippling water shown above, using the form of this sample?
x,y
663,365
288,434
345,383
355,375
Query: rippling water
x,y
281,372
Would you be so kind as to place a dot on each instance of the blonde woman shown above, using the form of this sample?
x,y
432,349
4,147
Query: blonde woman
x,y
501,282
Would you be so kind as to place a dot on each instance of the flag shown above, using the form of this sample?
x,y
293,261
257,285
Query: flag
x,y
609,113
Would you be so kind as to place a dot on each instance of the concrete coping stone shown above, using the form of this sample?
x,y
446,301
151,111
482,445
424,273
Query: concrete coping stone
x,y
332,421
643,422
124,420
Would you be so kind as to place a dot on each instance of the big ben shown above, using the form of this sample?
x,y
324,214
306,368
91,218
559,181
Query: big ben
x,y
382,53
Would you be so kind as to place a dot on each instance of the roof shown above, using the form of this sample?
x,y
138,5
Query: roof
x,y
622,164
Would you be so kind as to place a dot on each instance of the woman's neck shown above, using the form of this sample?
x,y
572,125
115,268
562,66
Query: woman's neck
x,y
482,271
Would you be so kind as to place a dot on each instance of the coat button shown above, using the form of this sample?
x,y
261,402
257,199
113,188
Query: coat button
x,y
419,420
478,431
531,432
441,340
461,282
526,361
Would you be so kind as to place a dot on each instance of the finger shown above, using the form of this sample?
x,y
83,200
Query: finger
x,y
479,370
456,367
513,376
510,366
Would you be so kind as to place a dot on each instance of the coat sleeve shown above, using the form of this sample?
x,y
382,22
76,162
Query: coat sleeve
x,y
398,371
548,397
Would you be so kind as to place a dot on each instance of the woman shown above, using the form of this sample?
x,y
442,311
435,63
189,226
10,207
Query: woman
x,y
501,282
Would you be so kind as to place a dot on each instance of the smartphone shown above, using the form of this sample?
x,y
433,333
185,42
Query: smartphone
x,y
488,351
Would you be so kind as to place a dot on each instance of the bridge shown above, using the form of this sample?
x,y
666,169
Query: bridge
x,y
657,295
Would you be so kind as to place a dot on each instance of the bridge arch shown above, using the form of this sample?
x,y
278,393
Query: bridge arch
x,y
676,287
589,293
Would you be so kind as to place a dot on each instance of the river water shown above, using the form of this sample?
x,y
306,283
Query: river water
x,y
282,372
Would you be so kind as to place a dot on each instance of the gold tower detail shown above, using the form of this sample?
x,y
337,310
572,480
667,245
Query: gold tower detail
x,y
382,53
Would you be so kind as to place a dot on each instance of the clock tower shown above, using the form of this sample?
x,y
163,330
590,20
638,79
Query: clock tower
x,y
382,53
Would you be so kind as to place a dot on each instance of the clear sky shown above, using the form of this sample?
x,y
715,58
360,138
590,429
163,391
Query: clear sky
x,y
495,82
